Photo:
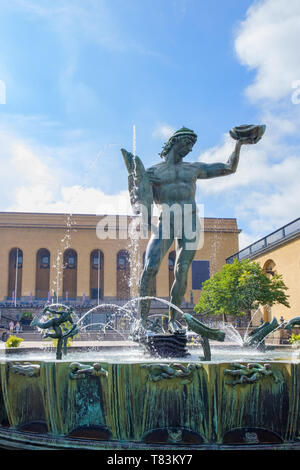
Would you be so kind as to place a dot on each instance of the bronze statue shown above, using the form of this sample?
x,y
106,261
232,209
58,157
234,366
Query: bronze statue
x,y
59,325
250,373
170,182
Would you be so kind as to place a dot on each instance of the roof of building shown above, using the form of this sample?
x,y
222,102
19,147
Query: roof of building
x,y
89,221
277,238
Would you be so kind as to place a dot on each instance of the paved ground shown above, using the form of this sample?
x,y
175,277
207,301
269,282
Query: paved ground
x,y
114,344
76,344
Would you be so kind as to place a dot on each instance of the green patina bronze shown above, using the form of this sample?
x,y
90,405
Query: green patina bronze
x,y
203,330
173,182
134,401
82,371
250,373
292,323
257,335
180,371
60,328
26,368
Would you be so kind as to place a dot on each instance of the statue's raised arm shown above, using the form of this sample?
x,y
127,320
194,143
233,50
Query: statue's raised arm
x,y
246,134
139,186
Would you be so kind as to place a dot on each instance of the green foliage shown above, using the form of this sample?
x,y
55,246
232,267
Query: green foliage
x,y
295,340
240,287
27,315
13,342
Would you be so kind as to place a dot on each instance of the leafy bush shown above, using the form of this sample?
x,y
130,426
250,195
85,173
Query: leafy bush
x,y
239,288
27,315
13,342
295,340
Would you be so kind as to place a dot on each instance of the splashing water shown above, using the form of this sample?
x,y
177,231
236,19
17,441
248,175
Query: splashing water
x,y
248,326
65,242
232,335
123,321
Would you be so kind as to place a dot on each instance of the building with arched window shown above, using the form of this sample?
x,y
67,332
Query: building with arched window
x,y
278,253
53,255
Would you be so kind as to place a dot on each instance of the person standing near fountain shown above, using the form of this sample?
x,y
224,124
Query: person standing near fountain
x,y
170,184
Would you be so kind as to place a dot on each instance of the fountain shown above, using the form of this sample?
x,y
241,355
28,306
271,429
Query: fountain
x,y
162,392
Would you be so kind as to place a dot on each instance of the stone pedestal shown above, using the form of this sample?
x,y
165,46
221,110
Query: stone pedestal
x,y
166,345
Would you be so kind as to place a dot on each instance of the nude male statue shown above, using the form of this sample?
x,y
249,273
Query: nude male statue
x,y
174,182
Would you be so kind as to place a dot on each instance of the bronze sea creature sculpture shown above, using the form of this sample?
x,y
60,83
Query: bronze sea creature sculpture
x,y
61,326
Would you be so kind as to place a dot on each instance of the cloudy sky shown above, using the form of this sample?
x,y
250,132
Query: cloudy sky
x,y
77,75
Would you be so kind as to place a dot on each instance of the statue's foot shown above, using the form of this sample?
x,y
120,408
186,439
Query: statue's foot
x,y
174,328
139,329
34,322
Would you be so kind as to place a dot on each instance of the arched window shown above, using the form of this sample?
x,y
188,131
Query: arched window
x,y
123,260
171,264
15,268
269,268
96,274
123,275
42,278
70,275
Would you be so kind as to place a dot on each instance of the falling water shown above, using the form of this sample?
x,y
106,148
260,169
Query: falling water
x,y
65,243
248,326
133,246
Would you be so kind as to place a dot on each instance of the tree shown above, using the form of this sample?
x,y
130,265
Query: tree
x,y
239,288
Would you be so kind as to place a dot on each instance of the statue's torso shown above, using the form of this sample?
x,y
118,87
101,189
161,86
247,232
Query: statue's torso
x,y
176,183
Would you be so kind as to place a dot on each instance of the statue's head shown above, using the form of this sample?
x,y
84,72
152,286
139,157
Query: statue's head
x,y
184,139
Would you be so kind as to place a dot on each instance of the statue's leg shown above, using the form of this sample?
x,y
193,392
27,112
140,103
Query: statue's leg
x,y
46,324
156,250
59,348
186,247
183,262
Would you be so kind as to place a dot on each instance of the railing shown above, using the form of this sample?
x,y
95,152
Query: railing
x,y
270,240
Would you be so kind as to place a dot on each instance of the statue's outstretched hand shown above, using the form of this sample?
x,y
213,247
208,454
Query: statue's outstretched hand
x,y
247,134
246,140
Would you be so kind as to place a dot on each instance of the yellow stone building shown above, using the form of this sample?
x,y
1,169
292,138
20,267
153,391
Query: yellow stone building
x,y
279,252
56,255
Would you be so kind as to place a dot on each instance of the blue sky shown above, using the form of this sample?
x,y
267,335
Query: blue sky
x,y
79,74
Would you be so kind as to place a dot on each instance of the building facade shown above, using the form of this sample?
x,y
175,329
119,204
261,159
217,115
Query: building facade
x,y
279,253
46,256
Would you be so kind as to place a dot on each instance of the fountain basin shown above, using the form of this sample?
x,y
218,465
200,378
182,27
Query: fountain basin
x,y
114,403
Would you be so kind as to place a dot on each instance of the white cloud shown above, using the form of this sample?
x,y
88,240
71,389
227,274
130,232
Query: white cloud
x,y
268,42
30,166
264,192
163,132
34,183
70,199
